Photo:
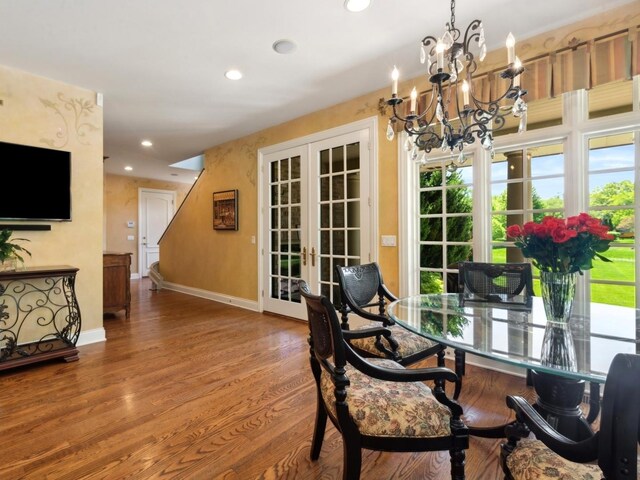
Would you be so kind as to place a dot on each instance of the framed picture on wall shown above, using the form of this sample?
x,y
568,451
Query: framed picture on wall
x,y
225,210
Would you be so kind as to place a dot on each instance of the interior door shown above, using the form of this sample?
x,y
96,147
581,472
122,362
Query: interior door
x,y
316,216
156,209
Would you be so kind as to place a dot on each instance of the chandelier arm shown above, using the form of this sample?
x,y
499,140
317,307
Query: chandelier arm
x,y
511,92
472,31
432,140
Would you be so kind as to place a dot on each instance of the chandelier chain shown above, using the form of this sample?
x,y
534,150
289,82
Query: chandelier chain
x,y
453,14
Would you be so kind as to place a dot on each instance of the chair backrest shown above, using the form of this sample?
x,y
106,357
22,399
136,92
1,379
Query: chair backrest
x,y
496,282
362,286
620,419
359,283
326,339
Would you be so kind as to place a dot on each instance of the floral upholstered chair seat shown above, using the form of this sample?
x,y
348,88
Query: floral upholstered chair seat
x,y
533,460
409,343
382,408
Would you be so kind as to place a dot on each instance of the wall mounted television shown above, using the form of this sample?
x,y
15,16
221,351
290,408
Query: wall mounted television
x,y
36,183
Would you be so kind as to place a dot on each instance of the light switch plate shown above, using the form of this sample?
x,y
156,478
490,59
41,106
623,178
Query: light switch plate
x,y
388,240
130,237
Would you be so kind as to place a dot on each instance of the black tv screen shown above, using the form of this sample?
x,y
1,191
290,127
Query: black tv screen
x,y
36,183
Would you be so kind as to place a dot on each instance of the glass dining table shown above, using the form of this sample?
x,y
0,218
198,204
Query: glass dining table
x,y
513,334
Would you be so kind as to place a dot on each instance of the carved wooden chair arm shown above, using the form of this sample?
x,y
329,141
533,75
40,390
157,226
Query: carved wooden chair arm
x,y
583,451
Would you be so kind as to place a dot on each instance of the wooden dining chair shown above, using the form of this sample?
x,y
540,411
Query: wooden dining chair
x,y
507,283
610,454
496,282
376,403
361,290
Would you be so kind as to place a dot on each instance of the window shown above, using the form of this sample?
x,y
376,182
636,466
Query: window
x,y
612,199
446,223
589,163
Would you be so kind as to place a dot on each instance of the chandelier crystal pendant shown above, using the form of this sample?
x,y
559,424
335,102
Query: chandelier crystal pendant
x,y
451,63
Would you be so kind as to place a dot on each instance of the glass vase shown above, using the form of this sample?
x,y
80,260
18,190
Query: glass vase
x,y
558,293
558,350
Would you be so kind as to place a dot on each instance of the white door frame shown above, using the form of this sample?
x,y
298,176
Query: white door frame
x,y
370,123
141,190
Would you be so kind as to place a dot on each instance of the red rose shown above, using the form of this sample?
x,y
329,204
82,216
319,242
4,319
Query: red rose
x,y
562,234
529,228
541,230
514,231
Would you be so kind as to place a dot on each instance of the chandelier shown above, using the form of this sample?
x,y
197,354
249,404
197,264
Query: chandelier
x,y
455,116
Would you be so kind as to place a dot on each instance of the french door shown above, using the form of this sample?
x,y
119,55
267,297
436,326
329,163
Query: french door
x,y
317,215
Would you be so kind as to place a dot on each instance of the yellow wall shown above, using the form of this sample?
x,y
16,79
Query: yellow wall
x,y
194,255
45,113
121,205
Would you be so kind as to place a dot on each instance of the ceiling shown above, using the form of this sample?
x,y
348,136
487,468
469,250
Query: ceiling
x,y
160,64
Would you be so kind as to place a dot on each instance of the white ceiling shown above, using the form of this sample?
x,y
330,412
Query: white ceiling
x,y
160,63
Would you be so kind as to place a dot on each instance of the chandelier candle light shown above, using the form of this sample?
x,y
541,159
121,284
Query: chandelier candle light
x,y
447,59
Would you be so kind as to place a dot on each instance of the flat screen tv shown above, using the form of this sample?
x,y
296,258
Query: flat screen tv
x,y
36,183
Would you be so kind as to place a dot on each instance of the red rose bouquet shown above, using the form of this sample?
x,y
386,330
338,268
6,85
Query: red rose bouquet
x,y
559,245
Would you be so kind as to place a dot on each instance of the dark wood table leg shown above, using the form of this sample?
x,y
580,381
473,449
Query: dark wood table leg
x,y
459,367
558,402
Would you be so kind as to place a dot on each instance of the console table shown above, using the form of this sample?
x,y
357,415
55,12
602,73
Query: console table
x,y
39,315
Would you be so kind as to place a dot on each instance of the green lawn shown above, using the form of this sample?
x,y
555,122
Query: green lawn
x,y
621,267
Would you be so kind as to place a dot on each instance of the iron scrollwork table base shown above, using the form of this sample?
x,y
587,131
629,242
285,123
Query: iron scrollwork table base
x,y
39,315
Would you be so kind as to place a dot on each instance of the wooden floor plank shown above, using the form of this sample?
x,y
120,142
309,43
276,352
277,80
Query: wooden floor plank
x,y
189,388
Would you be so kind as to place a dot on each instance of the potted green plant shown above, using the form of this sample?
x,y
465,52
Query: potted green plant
x,y
10,252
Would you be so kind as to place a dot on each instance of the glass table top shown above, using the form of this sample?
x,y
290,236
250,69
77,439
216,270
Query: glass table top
x,y
512,334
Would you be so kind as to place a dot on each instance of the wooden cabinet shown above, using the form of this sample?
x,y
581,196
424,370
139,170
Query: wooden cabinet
x,y
116,282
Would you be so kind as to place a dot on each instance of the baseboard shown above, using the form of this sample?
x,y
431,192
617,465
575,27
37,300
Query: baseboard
x,y
216,297
91,336
135,276
471,359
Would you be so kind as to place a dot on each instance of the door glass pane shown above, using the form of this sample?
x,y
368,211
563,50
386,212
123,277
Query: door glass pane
x,y
353,156
337,187
324,162
337,159
338,242
284,194
353,214
295,192
353,243
295,168
338,215
353,185
284,169
324,188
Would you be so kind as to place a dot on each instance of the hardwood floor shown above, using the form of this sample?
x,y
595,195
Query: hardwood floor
x,y
193,389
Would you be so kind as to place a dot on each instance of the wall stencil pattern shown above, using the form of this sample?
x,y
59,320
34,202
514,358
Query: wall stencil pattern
x,y
78,122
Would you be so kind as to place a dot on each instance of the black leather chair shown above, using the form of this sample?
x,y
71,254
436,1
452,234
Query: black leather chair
x,y
611,454
510,283
362,289
376,403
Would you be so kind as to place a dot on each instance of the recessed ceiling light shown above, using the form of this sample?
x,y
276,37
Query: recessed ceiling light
x,y
233,74
128,168
284,46
356,5
146,143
